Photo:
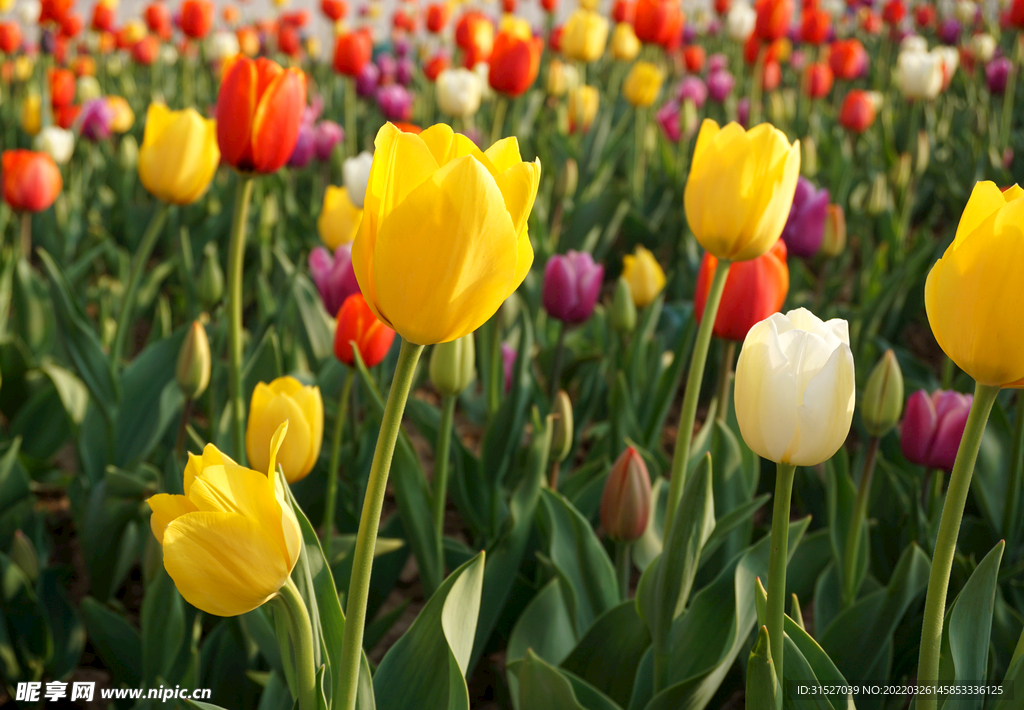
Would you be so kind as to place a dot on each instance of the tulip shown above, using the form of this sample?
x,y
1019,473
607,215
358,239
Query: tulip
x,y
122,117
453,365
29,12
62,87
367,80
740,189
352,52
31,180
356,174
805,227
302,153
658,21
669,118
694,56
437,16
983,46
435,262
179,154
644,275
818,81
231,541
326,135
933,427
583,104
848,59
355,323
192,370
334,10
474,35
508,361
339,219
584,36
285,400
815,25
211,278
626,498
893,12
882,403
514,63
561,432
997,73
949,31
858,111
919,74
10,37
196,18
158,19
259,112
394,102
56,142
459,92
333,275
773,18
754,290
642,84
740,22
572,284
693,89
720,85
623,313
95,120
88,89
625,44
388,67
145,51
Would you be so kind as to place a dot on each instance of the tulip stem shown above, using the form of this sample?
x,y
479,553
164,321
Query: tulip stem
x,y
366,538
945,544
496,377
754,118
693,383
623,567
499,119
26,235
777,559
725,379
1016,468
351,143
236,259
332,467
640,126
860,510
301,631
556,366
444,440
142,254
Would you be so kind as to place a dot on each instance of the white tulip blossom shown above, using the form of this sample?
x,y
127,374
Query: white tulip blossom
x,y
355,174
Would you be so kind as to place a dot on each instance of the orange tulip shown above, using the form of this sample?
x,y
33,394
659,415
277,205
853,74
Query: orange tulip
x,y
158,19
145,50
54,10
352,52
196,18
694,56
10,37
773,18
31,180
847,58
815,25
334,10
62,87
437,16
659,21
858,111
104,15
514,63
474,34
259,112
817,80
435,65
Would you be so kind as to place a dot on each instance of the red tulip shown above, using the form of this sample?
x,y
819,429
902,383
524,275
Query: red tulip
x,y
259,113
288,40
694,56
514,63
145,50
658,21
722,7
352,52
296,18
54,10
818,80
924,14
70,26
158,19
626,498
933,426
103,17
357,324
403,20
771,76
196,18
894,12
474,34
65,115
509,6
437,16
31,180
773,19
753,291
10,37
848,59
62,87
334,10
624,11
858,111
871,23
549,6
435,65
815,25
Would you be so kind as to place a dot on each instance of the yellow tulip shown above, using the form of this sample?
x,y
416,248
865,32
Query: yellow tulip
x,y
560,77
231,541
584,36
973,293
339,219
642,84
124,117
625,44
179,154
644,276
740,189
286,400
444,239
31,115
23,68
583,104
515,26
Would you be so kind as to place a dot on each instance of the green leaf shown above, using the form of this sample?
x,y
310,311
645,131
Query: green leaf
x,y
116,641
665,585
544,687
72,391
425,669
65,625
14,482
763,692
544,626
162,618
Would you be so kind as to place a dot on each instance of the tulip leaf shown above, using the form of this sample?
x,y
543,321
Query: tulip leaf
x,y
72,391
65,625
116,642
589,585
27,623
544,626
316,322
968,630
425,669
665,585
649,546
654,415
729,522
763,692
544,687
14,481
162,618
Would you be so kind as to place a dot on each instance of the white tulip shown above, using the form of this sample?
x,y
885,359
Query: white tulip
x,y
355,173
795,388
966,11
28,11
168,54
222,45
984,47
458,92
740,22
950,58
919,74
56,142
914,43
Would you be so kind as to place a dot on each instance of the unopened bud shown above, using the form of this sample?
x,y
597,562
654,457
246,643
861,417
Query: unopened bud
x,y
128,155
623,308
211,278
453,365
23,553
626,499
193,369
568,180
923,152
561,435
878,198
883,396
901,171
833,242
690,120
809,157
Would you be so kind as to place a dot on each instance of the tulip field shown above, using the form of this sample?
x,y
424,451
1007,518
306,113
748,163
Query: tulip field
x,y
519,355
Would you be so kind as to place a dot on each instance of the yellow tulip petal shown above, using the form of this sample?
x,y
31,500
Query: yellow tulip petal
x,y
294,450
339,219
504,154
518,186
158,116
286,385
446,256
985,200
167,508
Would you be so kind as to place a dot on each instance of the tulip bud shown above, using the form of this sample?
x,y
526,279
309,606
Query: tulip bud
x,y
878,199
901,171
626,499
623,309
809,157
211,278
128,155
568,179
883,396
561,435
193,369
23,553
833,243
923,152
453,365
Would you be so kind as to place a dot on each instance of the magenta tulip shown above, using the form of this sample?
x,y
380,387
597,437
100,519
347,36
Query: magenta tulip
x,y
572,283
933,426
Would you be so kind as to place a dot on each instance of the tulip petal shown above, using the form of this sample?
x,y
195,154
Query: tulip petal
x,y
236,104
158,117
518,185
765,393
986,199
166,508
504,154
264,420
277,120
826,411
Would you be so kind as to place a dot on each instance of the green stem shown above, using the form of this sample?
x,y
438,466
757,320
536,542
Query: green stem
x,y
693,383
1011,89
26,235
725,380
556,367
860,510
496,379
945,543
640,126
366,538
442,454
142,254
777,559
1016,470
301,631
236,259
351,142
660,671
623,567
499,119
1017,652
332,467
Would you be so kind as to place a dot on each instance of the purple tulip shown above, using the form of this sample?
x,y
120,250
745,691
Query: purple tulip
x,y
47,42
402,47
334,276
95,119
806,224
694,89
305,145
388,66
395,102
668,118
717,62
720,85
743,111
997,73
949,31
689,33
508,361
933,426
326,135
367,80
405,71
571,285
